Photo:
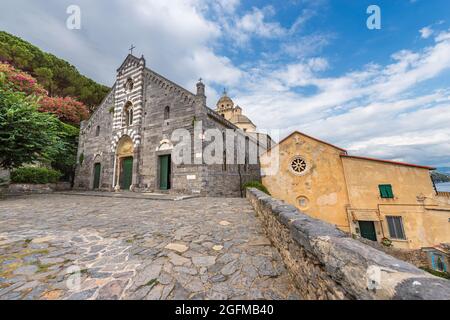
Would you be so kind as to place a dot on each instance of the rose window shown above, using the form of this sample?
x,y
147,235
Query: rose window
x,y
299,165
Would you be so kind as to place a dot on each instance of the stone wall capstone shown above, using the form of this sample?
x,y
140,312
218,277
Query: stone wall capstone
x,y
325,263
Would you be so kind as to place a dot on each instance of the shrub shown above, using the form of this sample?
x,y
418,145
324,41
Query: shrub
x,y
35,175
255,184
386,242
26,135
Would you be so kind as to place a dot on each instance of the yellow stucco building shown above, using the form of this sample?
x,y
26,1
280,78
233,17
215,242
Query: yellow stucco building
x,y
373,198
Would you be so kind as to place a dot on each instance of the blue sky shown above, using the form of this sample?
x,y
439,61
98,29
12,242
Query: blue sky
x,y
308,65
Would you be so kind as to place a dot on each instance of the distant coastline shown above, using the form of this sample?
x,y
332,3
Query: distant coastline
x,y
443,186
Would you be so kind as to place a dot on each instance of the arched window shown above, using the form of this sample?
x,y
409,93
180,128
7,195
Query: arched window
x,y
166,113
97,131
128,113
224,165
247,150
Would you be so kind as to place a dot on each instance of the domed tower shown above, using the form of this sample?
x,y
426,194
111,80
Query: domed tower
x,y
225,106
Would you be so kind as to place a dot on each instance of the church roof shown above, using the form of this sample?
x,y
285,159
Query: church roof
x,y
240,118
313,138
132,59
389,162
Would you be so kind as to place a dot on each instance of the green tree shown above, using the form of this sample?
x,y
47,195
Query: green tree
x,y
45,78
65,159
21,55
65,78
26,135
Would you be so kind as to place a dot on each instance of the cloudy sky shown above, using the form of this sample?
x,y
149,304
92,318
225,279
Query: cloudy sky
x,y
308,65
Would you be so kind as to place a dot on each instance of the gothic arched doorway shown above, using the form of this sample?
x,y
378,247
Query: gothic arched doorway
x,y
124,161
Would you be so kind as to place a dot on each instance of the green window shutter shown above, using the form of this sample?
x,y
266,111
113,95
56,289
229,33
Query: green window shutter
x,y
386,191
389,191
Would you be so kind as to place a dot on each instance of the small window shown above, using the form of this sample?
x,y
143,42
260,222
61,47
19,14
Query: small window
x,y
396,230
166,113
97,131
386,191
303,202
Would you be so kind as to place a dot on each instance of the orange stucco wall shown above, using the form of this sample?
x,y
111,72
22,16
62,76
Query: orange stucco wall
x,y
342,190
322,184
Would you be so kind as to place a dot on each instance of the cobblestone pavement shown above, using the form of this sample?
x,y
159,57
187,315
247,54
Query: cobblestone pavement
x,y
81,247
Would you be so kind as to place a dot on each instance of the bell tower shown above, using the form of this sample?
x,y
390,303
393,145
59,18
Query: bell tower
x,y
225,106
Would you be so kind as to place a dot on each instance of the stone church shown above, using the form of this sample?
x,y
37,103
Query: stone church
x,y
126,144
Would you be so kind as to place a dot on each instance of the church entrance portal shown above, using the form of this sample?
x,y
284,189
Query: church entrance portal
x,y
124,164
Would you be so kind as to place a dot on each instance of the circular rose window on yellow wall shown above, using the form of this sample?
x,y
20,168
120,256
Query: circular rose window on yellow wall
x,y
299,166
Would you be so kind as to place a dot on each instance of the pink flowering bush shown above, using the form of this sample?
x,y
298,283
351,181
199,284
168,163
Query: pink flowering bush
x,y
21,81
66,109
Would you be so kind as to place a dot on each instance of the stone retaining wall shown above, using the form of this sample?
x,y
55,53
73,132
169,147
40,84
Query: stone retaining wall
x,y
38,188
327,264
418,257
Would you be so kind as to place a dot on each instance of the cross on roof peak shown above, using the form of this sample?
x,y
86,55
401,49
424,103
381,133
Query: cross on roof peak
x,y
131,49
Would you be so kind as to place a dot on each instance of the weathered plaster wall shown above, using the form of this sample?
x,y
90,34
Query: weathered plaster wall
x,y
326,264
437,225
363,178
323,184
425,222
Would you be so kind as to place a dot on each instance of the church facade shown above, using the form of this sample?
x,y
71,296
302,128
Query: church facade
x,y
127,143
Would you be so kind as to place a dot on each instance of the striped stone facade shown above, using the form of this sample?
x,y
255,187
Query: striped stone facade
x,y
148,95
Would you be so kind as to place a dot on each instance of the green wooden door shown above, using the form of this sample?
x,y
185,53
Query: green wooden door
x,y
97,170
127,173
164,172
367,229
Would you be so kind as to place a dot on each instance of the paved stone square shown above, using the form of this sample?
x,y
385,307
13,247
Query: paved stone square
x,y
85,247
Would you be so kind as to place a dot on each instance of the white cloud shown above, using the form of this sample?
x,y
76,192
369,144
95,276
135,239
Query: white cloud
x,y
374,111
378,110
252,24
426,32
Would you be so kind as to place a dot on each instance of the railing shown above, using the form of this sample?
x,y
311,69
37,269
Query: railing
x,y
443,194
